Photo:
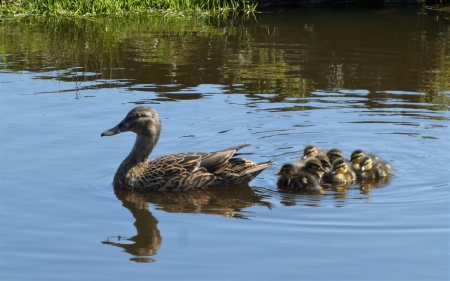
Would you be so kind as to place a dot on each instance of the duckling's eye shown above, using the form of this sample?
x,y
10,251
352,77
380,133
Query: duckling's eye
x,y
138,115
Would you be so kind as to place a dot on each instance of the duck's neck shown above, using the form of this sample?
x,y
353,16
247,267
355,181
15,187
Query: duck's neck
x,y
142,148
140,153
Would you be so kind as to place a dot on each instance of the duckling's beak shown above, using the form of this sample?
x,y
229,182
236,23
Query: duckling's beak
x,y
362,169
116,130
332,172
329,165
305,156
278,173
322,169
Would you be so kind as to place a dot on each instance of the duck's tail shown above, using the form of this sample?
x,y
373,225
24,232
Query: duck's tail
x,y
258,168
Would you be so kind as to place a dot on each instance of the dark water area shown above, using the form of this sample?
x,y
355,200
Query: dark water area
x,y
377,80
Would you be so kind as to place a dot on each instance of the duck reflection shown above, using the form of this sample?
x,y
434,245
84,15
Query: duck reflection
x,y
366,185
339,193
226,202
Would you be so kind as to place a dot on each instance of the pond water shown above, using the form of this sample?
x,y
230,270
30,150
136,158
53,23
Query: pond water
x,y
377,80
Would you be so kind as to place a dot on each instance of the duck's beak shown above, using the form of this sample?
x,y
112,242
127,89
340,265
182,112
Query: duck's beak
x,y
362,169
332,172
323,170
116,130
277,174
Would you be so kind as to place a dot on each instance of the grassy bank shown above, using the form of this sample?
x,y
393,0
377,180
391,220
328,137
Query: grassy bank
x,y
95,7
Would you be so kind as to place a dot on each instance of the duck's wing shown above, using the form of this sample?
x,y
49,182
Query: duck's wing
x,y
214,161
184,171
175,172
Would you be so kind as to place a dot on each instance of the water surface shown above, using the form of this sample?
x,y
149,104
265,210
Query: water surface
x,y
375,80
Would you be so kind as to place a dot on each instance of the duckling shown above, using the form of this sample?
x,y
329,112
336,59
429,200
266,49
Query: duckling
x,y
334,154
325,163
314,168
356,156
291,178
311,151
372,169
342,172
308,152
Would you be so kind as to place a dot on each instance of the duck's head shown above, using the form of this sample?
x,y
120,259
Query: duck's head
x,y
142,120
324,160
309,151
365,163
339,166
314,165
287,171
356,155
334,154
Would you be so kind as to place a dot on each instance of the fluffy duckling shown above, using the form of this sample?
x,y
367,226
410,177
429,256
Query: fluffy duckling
x,y
308,152
356,156
290,178
325,163
342,172
373,169
334,154
313,167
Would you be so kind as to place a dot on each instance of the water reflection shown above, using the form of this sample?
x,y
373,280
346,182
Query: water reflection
x,y
226,202
366,185
291,54
338,193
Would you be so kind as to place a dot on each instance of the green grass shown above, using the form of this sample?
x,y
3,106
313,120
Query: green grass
x,y
98,7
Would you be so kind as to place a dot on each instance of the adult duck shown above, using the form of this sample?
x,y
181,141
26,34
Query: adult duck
x,y
176,172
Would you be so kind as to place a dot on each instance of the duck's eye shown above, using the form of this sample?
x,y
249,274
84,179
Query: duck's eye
x,y
138,115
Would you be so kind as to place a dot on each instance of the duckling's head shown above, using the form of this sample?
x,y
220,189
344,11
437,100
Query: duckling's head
x,y
334,154
339,166
309,151
365,163
314,165
142,120
324,160
356,155
287,171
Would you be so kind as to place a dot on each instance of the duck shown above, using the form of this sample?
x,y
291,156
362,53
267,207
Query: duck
x,y
374,169
176,172
308,152
342,173
356,156
334,154
311,151
314,168
325,162
291,178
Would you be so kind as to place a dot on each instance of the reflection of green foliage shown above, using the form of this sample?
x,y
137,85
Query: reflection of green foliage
x,y
243,55
94,7
438,92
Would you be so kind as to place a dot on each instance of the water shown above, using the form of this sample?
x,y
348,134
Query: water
x,y
348,79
